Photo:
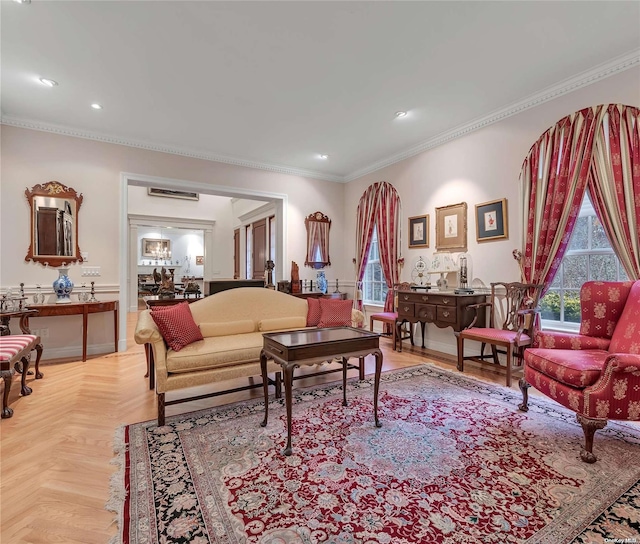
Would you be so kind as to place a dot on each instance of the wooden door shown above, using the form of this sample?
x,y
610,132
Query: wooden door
x,y
236,254
259,254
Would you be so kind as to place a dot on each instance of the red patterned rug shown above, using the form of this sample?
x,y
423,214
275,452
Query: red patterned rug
x,y
455,461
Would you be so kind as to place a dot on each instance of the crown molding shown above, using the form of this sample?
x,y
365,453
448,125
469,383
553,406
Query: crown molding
x,y
613,67
584,79
151,146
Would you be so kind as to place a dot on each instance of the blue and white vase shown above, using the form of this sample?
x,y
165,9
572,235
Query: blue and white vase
x,y
63,286
321,281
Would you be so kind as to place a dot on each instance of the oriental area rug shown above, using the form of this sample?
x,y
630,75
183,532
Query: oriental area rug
x,y
455,461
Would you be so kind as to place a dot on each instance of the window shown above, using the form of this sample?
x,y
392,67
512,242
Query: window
x,y
248,238
588,257
374,285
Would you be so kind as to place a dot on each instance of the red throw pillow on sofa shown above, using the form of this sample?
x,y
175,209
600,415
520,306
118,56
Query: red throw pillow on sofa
x,y
335,313
177,326
313,314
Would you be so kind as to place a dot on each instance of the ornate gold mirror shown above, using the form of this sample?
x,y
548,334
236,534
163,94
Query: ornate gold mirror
x,y
54,224
318,226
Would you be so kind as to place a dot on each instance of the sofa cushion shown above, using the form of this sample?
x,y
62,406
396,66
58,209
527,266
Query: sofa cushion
x,y
335,313
626,338
282,323
577,368
314,312
216,352
225,328
601,307
177,326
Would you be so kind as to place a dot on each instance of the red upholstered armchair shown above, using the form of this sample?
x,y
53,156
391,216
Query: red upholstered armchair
x,y
596,372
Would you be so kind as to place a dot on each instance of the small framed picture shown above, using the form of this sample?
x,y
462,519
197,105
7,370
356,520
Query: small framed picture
x,y
491,221
199,259
419,231
451,227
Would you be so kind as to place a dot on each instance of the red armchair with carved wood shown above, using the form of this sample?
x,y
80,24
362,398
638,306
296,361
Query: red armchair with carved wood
x,y
596,372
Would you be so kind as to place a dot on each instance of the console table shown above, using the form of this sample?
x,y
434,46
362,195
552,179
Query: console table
x,y
83,309
442,309
320,294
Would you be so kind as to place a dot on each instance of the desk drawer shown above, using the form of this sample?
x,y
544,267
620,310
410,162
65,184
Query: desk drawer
x,y
406,309
427,312
447,314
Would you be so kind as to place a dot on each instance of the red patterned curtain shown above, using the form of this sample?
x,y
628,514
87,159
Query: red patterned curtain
x,y
554,177
380,204
387,221
614,183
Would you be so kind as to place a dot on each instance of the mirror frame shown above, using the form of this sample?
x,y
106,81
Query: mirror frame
x,y
52,189
318,217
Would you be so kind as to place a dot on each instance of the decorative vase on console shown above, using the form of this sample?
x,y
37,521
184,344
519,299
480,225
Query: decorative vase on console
x,y
63,286
321,281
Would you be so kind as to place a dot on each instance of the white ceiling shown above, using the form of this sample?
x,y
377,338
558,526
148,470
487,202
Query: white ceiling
x,y
274,84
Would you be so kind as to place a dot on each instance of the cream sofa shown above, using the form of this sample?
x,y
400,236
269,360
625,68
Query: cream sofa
x,y
232,323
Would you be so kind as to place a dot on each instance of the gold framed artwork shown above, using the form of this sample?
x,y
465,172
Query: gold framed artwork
x,y
419,231
491,221
199,259
451,227
156,248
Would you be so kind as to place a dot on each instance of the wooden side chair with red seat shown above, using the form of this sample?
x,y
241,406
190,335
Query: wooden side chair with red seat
x,y
512,310
389,318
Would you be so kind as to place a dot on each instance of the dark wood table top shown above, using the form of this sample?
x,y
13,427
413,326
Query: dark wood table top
x,y
155,300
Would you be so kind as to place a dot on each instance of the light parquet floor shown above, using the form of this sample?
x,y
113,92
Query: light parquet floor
x,y
55,451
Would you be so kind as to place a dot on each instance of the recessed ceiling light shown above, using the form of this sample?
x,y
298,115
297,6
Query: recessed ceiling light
x,y
48,82
23,1
96,106
401,114
324,156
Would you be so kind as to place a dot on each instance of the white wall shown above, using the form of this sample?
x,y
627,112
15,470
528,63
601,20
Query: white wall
x,y
483,166
30,157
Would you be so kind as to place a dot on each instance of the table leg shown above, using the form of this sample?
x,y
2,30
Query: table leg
x,y
288,386
344,381
85,318
376,385
265,386
115,328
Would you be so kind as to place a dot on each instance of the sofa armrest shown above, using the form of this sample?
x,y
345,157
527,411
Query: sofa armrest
x,y
147,331
616,395
569,340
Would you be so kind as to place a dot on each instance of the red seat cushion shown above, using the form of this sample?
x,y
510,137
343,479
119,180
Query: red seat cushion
x,y
177,326
335,313
313,313
488,335
385,316
577,368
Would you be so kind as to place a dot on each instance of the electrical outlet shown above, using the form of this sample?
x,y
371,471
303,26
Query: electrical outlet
x,y
35,332
44,333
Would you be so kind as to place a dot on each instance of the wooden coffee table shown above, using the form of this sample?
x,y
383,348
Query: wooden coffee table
x,y
309,346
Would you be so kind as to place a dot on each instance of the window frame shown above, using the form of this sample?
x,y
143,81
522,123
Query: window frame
x,y
586,210
373,261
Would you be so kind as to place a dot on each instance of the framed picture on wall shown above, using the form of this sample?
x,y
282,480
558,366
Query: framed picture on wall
x,y
492,221
199,259
419,231
156,247
451,227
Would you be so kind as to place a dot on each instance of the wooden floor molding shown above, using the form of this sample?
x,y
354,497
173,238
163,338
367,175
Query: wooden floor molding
x,y
55,451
